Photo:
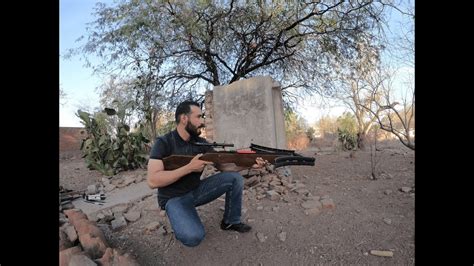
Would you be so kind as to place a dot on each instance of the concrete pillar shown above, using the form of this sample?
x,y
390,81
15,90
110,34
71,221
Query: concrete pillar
x,y
247,111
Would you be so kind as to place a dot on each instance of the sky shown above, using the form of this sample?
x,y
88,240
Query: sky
x,y
79,84
76,80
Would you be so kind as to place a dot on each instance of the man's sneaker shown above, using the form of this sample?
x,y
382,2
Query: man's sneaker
x,y
240,227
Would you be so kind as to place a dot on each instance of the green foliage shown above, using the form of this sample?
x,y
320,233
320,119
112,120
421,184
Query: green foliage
x,y
296,130
347,139
294,124
111,152
173,47
165,128
347,122
347,131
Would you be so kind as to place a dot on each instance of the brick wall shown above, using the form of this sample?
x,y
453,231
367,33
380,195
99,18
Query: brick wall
x,y
208,131
70,138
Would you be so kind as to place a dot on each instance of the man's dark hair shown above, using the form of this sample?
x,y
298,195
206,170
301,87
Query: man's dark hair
x,y
184,108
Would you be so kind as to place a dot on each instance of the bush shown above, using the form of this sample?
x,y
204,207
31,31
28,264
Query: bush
x,y
347,139
347,131
296,131
110,154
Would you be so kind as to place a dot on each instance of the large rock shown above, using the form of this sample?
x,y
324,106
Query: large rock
x,y
120,208
70,232
65,255
118,223
94,246
74,214
92,189
132,216
112,257
81,260
87,227
64,242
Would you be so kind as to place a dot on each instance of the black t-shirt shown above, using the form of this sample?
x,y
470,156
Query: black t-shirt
x,y
173,144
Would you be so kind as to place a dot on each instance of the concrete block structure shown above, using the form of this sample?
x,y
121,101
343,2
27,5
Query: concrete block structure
x,y
246,111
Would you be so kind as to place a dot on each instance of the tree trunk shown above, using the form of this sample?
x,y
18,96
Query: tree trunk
x,y
361,141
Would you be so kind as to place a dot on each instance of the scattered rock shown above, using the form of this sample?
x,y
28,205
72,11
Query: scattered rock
x,y
317,198
273,195
282,236
298,186
109,187
70,232
81,260
388,192
105,181
311,204
62,218
128,180
251,181
118,223
302,191
64,242
328,203
261,237
162,231
113,257
315,211
120,208
132,216
92,189
152,226
118,214
92,217
100,216
66,255
387,221
382,253
405,189
93,245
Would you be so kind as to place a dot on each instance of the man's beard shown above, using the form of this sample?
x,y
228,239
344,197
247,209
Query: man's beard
x,y
193,130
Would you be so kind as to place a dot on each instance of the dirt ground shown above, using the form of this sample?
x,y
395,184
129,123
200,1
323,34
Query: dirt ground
x,y
368,215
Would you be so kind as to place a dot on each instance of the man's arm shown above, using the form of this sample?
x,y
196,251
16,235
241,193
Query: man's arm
x,y
158,177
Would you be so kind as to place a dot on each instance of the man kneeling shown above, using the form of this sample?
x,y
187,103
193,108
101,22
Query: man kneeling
x,y
180,191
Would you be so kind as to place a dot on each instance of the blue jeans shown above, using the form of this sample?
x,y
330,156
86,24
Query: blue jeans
x,y
182,213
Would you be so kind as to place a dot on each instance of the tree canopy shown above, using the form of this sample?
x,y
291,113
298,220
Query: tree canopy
x,y
174,48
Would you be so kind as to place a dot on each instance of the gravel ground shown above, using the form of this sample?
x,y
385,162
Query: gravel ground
x,y
369,216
